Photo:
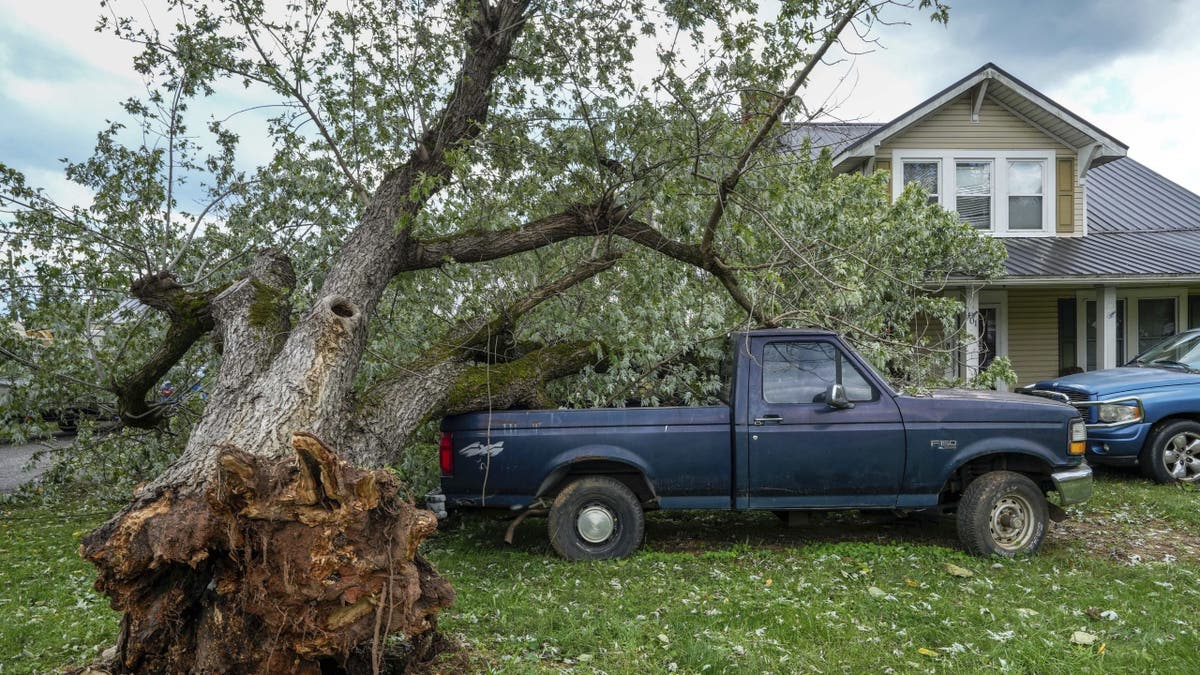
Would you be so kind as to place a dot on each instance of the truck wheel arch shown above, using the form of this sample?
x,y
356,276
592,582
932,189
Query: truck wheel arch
x,y
1033,466
631,475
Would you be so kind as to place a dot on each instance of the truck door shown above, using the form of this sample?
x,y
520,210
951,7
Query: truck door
x,y
804,453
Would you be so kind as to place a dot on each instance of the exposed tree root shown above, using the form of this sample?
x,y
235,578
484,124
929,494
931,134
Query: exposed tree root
x,y
302,565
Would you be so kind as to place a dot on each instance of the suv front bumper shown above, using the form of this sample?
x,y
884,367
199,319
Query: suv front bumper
x,y
1073,485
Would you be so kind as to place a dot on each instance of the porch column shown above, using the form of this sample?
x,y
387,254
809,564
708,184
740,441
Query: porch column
x,y
1106,327
970,347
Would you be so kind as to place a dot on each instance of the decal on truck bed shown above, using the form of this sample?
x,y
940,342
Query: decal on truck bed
x,y
478,449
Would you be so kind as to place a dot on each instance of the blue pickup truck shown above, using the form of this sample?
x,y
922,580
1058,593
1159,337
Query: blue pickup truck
x,y
1146,412
808,425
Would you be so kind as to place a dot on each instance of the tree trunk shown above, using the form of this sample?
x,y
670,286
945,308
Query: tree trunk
x,y
259,550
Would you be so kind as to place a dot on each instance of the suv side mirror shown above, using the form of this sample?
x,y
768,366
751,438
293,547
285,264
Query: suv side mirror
x,y
835,397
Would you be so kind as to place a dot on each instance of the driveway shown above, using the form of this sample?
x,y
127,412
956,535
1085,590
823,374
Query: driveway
x,y
13,460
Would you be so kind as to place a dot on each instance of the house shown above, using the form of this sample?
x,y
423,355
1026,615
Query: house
x,y
1103,253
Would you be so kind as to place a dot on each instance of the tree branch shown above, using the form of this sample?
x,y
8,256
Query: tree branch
x,y
730,181
471,247
396,404
190,316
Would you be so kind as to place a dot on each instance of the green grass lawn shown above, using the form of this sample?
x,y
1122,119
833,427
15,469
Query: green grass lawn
x,y
726,592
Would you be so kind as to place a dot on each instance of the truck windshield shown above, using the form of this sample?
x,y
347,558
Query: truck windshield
x,y
1181,352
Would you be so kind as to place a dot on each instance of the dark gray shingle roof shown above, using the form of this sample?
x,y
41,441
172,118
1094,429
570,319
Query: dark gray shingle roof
x,y
837,136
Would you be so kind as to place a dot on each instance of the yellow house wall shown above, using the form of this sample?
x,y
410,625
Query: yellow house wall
x,y
1033,332
951,127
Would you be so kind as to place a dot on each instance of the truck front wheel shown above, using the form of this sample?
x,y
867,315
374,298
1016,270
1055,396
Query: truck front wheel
x,y
595,518
1173,453
1002,513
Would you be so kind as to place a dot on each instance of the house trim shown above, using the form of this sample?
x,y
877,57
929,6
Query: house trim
x,y
1110,147
1117,280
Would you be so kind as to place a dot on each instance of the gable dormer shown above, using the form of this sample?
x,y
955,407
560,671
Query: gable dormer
x,y
1008,159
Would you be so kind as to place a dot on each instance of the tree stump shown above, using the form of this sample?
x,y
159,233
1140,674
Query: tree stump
x,y
294,565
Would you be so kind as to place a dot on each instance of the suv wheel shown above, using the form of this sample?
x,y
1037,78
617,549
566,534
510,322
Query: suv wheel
x,y
1173,453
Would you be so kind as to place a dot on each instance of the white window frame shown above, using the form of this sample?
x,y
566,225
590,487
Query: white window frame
x,y
948,189
1130,296
936,161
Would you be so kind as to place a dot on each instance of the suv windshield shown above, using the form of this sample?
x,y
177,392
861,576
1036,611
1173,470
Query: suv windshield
x,y
1181,351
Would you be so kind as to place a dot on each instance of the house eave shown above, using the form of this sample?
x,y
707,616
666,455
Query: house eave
x,y
1098,146
1079,280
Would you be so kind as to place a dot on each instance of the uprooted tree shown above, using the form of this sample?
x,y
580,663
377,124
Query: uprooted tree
x,y
466,202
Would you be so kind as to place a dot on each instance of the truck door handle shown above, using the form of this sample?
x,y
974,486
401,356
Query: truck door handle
x,y
759,421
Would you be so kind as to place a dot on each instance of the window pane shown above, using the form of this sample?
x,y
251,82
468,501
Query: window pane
x,y
974,199
924,174
1156,320
1024,178
797,372
800,372
974,178
1024,213
975,210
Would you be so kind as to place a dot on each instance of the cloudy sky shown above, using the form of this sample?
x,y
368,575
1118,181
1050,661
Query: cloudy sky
x,y
1128,67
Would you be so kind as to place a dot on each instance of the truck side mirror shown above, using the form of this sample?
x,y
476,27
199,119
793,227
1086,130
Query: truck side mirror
x,y
835,397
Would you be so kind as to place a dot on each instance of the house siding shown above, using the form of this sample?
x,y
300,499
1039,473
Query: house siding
x,y
1033,332
950,127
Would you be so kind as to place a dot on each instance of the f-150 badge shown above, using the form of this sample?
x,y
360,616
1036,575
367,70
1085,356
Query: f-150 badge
x,y
943,444
478,449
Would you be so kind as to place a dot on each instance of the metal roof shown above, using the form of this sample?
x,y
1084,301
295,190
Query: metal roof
x,y
1125,196
1111,254
1139,224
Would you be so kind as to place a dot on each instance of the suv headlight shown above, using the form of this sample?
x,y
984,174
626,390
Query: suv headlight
x,y
1115,413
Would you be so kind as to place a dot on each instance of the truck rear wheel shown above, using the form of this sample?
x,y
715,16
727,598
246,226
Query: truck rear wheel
x,y
1173,453
1002,513
596,518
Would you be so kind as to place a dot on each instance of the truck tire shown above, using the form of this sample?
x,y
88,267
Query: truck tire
x,y
1172,453
596,518
1002,513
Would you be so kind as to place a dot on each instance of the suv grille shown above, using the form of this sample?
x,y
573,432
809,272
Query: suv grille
x,y
1072,394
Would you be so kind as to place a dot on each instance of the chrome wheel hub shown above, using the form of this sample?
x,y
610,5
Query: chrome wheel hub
x,y
1181,456
595,523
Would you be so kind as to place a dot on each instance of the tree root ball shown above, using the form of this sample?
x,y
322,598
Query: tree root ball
x,y
295,565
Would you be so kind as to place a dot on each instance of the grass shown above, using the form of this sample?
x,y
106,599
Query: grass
x,y
49,614
722,592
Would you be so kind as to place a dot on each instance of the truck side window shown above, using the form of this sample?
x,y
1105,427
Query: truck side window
x,y
800,372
